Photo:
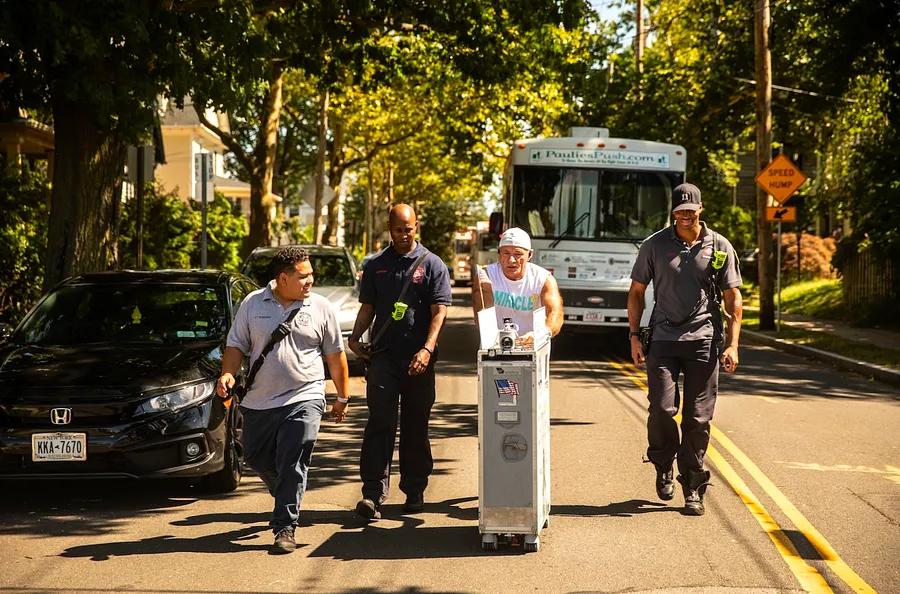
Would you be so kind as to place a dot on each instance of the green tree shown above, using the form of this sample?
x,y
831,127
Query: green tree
x,y
171,231
226,230
23,236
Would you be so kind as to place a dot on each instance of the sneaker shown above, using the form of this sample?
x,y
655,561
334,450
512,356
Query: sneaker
x,y
368,509
284,541
414,504
665,483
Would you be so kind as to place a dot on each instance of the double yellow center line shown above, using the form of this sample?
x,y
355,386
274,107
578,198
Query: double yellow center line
x,y
809,577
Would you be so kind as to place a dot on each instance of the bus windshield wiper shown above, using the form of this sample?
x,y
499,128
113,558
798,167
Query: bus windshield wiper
x,y
569,229
628,236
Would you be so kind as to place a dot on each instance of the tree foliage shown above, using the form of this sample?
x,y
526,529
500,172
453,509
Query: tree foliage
x,y
23,237
172,230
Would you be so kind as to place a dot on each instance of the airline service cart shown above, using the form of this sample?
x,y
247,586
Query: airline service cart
x,y
514,445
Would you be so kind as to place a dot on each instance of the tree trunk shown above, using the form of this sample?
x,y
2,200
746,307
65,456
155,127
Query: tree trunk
x,y
88,163
335,178
370,207
320,166
261,199
765,264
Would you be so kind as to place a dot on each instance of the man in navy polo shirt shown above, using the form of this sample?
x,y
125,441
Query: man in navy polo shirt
x,y
401,361
690,266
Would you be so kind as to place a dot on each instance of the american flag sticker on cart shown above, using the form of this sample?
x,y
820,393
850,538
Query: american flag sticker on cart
x,y
506,387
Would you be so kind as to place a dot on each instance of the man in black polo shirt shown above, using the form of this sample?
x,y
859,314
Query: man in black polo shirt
x,y
690,266
401,361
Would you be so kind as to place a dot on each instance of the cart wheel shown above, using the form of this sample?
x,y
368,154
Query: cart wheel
x,y
532,544
488,542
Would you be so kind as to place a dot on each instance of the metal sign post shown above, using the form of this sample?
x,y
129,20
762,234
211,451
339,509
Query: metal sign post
x,y
203,198
778,282
203,177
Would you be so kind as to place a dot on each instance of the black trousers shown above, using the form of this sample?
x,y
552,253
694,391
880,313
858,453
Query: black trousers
x,y
698,361
391,390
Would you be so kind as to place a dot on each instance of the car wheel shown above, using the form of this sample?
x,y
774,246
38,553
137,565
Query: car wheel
x,y
228,479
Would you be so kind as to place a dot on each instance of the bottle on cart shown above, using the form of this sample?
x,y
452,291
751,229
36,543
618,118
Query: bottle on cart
x,y
508,335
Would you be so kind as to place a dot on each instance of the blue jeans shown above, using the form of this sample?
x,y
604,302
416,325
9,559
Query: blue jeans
x,y
278,446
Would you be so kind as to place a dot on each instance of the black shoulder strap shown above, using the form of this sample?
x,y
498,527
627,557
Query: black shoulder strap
x,y
411,271
283,329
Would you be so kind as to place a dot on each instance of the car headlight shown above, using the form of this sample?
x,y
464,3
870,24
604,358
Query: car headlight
x,y
180,398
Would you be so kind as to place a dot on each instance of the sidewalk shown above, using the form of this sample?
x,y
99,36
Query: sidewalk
x,y
886,340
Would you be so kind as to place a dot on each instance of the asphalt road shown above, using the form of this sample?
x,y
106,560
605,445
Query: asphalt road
x,y
806,496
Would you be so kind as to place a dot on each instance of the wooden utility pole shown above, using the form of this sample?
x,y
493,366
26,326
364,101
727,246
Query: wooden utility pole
x,y
639,44
763,156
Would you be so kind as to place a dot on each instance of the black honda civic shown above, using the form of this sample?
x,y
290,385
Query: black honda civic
x,y
112,375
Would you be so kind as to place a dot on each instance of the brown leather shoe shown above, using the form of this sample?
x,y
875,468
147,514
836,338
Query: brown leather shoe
x,y
284,541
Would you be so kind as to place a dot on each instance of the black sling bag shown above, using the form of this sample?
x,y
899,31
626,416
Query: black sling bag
x,y
278,334
647,332
381,331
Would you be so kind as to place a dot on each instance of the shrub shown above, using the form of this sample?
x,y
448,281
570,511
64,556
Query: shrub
x,y
815,256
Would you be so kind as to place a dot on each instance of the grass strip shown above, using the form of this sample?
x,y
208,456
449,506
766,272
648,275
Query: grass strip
x,y
828,342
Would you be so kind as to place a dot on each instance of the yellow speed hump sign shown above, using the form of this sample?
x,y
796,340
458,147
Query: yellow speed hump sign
x,y
780,178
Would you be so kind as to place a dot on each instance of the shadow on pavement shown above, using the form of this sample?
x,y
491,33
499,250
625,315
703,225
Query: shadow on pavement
x,y
90,507
768,372
619,509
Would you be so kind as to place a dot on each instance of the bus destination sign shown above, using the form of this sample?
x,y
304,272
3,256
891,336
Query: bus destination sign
x,y
609,158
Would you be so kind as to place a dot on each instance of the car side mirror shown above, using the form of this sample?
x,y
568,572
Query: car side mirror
x,y
6,331
495,223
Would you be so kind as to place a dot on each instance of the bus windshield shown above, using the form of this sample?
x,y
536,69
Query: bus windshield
x,y
607,204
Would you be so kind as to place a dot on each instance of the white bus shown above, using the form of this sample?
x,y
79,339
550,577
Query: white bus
x,y
588,201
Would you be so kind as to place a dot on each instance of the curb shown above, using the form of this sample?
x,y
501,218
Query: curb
x,y
879,372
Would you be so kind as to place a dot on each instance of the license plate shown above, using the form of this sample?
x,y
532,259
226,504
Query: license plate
x,y
59,447
593,316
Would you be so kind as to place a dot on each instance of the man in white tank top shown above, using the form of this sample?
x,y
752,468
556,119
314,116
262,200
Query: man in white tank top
x,y
516,287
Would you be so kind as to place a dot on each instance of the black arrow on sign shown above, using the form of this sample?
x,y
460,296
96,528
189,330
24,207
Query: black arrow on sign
x,y
780,213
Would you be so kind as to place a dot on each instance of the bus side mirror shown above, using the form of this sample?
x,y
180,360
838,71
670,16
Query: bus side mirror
x,y
495,223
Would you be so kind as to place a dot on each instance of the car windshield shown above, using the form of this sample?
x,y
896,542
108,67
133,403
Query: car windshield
x,y
329,270
591,203
147,313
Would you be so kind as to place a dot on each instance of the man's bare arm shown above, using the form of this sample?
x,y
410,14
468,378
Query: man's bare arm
x,y
734,309
553,305
364,318
635,312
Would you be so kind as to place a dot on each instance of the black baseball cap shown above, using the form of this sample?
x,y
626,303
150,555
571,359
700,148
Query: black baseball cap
x,y
686,197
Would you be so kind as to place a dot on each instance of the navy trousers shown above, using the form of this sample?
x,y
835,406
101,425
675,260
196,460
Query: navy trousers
x,y
698,361
278,446
388,387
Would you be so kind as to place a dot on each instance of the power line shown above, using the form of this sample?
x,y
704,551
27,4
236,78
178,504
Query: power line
x,y
799,91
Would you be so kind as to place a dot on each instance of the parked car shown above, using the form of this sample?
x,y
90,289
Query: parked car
x,y
112,375
334,277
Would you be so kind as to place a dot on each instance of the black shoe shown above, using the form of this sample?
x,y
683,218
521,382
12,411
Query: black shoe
x,y
414,504
694,486
368,509
284,541
665,483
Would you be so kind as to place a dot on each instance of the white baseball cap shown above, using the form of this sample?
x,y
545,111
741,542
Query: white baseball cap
x,y
515,237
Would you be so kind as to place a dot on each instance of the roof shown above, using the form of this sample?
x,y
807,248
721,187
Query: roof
x,y
154,276
313,249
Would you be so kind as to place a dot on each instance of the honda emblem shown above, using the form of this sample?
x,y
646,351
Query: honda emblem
x,y
60,416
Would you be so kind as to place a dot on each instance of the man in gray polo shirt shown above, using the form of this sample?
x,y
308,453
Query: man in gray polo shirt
x,y
694,270
284,406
